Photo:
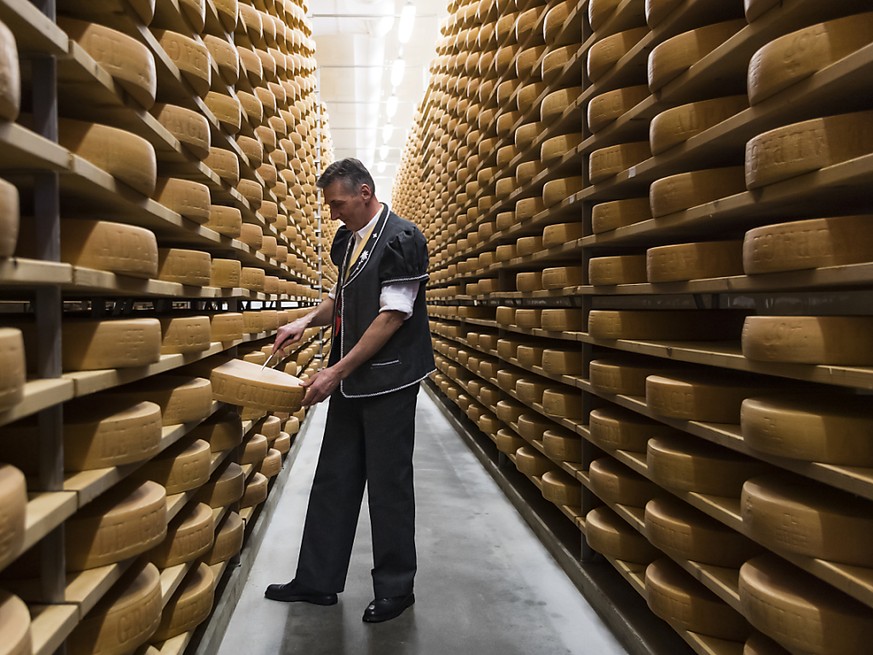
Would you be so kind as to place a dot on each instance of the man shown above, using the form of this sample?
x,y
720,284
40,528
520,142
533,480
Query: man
x,y
381,350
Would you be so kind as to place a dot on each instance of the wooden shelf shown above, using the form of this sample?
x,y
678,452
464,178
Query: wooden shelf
x,y
90,282
171,578
22,272
51,625
24,151
39,395
35,33
45,512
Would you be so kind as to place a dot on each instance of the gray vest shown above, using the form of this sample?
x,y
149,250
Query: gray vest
x,y
395,252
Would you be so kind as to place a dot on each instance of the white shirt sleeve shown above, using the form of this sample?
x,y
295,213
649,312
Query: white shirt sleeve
x,y
332,293
399,297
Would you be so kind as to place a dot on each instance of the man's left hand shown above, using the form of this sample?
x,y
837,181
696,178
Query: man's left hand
x,y
320,386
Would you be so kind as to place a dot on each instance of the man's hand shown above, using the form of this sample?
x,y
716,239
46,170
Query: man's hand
x,y
320,386
291,333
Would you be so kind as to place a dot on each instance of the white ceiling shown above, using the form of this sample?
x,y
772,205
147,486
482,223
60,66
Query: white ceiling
x,y
356,45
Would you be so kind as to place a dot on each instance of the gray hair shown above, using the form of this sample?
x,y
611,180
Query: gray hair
x,y
352,173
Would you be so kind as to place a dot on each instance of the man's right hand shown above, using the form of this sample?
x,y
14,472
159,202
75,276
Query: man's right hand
x,y
290,334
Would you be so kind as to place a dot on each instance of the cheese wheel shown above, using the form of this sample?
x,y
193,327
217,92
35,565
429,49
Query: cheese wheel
x,y
599,12
561,277
189,606
121,343
283,443
124,618
615,483
194,12
787,60
292,426
254,450
682,601
619,213
531,463
797,516
527,133
224,163
619,375
227,221
190,57
528,318
252,235
252,107
608,162
189,536
529,356
179,469
9,205
10,77
560,489
607,533
834,340
106,246
253,279
13,367
530,281
129,62
619,269
223,432
554,63
254,152
564,404
675,126
252,191
614,428
562,320
225,487
189,199
606,52
693,261
676,55
556,19
188,267
116,527
189,127
508,442
15,618
556,147
608,107
830,430
801,612
800,245
227,327
692,325
556,103
225,56
255,491
562,233
529,245
271,464
243,383
527,208
562,446
686,190
226,110
228,540
532,426
558,190
699,397
793,150
225,273
13,492
562,361
758,644
125,156
228,13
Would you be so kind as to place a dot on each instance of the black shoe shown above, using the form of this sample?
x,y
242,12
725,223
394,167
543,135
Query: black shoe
x,y
294,592
385,609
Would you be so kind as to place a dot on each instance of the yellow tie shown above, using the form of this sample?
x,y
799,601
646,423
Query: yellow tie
x,y
359,249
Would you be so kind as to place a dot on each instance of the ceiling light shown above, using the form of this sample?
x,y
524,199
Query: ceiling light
x,y
387,131
391,106
380,167
383,27
407,22
383,152
398,69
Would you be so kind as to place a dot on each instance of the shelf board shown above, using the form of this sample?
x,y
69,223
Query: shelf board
x,y
171,578
89,281
24,151
86,588
35,33
39,395
20,271
51,625
45,512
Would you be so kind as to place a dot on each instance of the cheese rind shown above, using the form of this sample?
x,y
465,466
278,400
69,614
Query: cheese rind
x,y
107,246
676,55
619,269
225,273
188,267
608,162
834,340
225,487
222,432
671,325
122,343
675,193
699,397
243,383
255,492
615,483
15,618
13,367
185,197
675,126
618,213
189,606
609,107
227,221
10,75
560,489
606,52
9,210
694,261
227,327
13,492
191,58
607,533
189,127
188,537
180,469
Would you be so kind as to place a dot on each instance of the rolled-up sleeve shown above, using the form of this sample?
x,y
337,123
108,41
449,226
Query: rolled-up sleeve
x,y
399,297
332,293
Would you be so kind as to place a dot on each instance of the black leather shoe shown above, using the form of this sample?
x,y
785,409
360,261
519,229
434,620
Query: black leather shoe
x,y
293,592
385,609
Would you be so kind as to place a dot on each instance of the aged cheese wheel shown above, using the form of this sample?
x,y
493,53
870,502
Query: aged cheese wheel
x,y
529,281
189,267
528,318
116,527
228,13
224,163
227,221
676,55
125,156
252,235
283,443
688,534
830,430
791,58
556,147
682,601
531,463
561,277
529,356
560,489
555,103
189,606
556,19
608,107
15,618
658,10
222,432
554,63
532,426
181,468
122,343
189,199
607,533
529,245
694,261
191,58
615,483
835,340
686,190
562,233
793,150
562,320
225,273
190,127
106,246
226,109
227,327
558,190
627,376
794,515
619,213
10,77
689,325
675,126
189,536
619,269
255,491
700,397
563,404
271,464
253,109
615,428
800,245
608,162
562,361
9,206
599,12
800,611
605,53
562,445
225,56
253,279
13,493
254,450
228,540
123,619
185,334
292,426
508,442
100,432
225,487
243,383
129,62
13,367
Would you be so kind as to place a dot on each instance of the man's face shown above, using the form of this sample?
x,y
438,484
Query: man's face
x,y
348,205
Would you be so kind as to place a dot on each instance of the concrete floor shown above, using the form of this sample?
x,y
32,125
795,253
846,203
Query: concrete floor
x,y
485,583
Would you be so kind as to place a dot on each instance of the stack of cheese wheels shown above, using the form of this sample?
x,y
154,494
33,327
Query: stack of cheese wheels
x,y
609,534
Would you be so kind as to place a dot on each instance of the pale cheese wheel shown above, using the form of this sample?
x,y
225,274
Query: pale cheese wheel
x,y
283,443
531,463
562,445
223,432
525,61
599,12
181,468
675,126
527,208
185,197
292,426
795,515
188,267
225,273
527,133
252,107
694,261
9,208
556,147
830,430
13,510
801,612
253,279
224,163
553,65
668,60
124,619
508,442
228,13
254,152
529,281
227,221
185,335
682,601
562,320
618,269
271,464
129,62
608,162
509,411
691,325
560,489
556,19
801,245
253,324
254,450
190,57
608,107
226,109
605,53
529,245
228,540
562,361
556,103
116,527
615,483
125,156
787,60
225,487
106,246
189,536
563,404
10,75
525,172
15,618
189,606
682,191
252,191
562,233
561,277
609,534
619,213
121,343
799,148
13,366
225,56
700,397
255,492
243,383
189,127
227,327
558,190
528,318
833,340
252,235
